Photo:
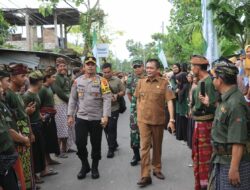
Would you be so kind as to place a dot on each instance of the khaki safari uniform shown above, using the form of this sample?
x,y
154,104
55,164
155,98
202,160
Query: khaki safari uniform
x,y
152,96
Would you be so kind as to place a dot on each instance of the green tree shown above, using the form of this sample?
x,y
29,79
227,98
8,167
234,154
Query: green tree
x,y
139,51
184,35
232,19
92,19
4,26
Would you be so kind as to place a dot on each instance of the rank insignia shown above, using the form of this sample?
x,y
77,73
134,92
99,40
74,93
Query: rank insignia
x,y
223,109
80,94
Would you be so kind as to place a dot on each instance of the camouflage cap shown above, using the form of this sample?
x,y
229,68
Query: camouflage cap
x,y
137,62
225,68
37,75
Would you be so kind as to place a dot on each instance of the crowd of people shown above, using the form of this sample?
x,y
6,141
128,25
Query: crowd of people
x,y
204,104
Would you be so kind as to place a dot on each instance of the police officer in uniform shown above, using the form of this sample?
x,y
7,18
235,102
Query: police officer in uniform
x,y
134,131
91,94
230,133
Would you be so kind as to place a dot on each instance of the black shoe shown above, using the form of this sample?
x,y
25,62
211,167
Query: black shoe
x,y
116,146
134,161
84,170
110,154
95,173
145,181
136,158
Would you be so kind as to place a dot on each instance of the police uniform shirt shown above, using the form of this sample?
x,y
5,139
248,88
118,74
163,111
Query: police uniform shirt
x,y
91,96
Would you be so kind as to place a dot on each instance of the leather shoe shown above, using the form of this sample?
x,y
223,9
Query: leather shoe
x,y
82,174
110,154
145,181
159,175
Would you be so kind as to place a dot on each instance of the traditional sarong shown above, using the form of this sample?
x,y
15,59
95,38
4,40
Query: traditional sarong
x,y
201,153
23,167
220,179
61,118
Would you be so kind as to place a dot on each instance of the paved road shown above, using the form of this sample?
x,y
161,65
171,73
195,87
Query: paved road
x,y
117,174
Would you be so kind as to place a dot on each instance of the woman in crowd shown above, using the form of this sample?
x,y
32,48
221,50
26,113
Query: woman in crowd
x,y
182,106
193,81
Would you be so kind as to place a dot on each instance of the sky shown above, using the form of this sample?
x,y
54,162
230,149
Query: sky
x,y
137,19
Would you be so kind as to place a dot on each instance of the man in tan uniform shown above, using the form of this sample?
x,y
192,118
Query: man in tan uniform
x,y
152,95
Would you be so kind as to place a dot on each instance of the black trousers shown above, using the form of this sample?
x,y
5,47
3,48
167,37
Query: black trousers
x,y
9,182
38,148
94,129
111,130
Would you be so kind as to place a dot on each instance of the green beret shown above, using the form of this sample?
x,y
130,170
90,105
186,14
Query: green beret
x,y
37,75
225,68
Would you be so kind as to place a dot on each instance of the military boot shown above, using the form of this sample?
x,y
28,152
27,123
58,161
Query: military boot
x,y
136,158
94,169
84,170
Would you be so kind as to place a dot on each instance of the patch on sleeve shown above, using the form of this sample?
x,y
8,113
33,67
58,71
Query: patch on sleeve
x,y
105,86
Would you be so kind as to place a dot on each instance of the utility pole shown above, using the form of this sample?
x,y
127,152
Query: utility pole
x,y
163,27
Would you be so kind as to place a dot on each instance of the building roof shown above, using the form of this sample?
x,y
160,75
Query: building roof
x,y
67,16
31,61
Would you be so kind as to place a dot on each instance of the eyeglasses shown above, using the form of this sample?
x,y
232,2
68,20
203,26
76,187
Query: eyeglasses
x,y
136,66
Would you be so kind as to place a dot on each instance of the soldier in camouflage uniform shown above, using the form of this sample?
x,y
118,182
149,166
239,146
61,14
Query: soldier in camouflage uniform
x,y
134,132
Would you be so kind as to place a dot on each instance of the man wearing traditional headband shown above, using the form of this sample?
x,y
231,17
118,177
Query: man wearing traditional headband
x,y
18,72
61,88
203,114
230,140
8,134
48,111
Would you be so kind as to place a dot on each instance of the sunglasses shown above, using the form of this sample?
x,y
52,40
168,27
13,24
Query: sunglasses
x,y
136,66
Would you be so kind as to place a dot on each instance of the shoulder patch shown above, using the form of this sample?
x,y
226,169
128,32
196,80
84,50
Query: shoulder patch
x,y
75,82
105,86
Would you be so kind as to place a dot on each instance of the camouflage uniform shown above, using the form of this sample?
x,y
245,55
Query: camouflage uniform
x,y
134,131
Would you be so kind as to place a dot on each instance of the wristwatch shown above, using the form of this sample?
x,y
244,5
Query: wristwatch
x,y
172,120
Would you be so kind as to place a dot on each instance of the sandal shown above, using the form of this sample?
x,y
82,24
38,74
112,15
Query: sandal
x,y
53,162
49,173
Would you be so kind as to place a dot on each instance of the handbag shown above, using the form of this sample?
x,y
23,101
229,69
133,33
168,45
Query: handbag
x,y
121,101
122,104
